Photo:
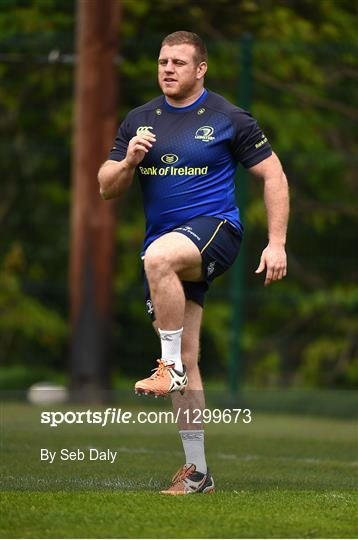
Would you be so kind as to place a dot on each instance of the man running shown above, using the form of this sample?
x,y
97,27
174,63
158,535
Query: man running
x,y
185,146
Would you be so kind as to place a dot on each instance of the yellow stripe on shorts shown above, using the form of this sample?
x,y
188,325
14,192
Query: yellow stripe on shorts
x,y
213,236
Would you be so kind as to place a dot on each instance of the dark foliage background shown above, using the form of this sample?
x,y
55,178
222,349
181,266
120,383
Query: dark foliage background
x,y
301,331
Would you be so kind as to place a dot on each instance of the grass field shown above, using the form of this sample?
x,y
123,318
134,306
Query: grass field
x,y
280,476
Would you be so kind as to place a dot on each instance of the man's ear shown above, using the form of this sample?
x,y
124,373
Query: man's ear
x,y
201,70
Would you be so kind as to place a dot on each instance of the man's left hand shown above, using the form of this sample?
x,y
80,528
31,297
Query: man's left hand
x,y
274,259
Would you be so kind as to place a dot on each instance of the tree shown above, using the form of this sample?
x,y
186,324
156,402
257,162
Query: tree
x,y
93,220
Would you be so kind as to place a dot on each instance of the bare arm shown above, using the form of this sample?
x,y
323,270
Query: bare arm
x,y
276,198
115,177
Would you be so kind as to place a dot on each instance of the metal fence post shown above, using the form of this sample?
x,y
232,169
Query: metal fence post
x,y
237,296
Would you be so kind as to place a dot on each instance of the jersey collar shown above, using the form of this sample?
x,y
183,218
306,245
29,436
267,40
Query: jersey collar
x,y
188,107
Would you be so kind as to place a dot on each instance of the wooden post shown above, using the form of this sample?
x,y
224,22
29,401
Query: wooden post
x,y
92,220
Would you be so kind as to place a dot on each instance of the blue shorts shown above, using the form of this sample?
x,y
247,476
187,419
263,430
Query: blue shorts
x,y
219,244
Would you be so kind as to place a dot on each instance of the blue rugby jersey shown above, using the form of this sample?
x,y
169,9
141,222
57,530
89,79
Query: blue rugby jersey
x,y
190,169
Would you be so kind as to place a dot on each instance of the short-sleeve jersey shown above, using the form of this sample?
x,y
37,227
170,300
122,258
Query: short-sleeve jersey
x,y
190,170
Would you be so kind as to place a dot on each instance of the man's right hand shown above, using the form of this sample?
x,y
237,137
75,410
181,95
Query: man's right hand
x,y
138,146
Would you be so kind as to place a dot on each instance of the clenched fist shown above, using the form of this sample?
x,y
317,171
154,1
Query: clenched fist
x,y
138,146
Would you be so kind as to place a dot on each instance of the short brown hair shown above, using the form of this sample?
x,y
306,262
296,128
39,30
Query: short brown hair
x,y
183,37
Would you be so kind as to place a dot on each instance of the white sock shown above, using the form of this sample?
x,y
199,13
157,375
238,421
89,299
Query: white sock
x,y
193,444
171,347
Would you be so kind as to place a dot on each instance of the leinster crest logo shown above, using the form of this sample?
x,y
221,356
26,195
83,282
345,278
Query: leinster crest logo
x,y
205,134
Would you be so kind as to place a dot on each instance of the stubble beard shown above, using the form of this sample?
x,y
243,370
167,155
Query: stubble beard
x,y
181,93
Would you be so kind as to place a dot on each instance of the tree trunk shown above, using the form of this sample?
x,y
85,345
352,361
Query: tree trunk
x,y
93,220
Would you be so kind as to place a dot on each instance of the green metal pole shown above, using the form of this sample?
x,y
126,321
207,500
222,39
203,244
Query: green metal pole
x,y
235,361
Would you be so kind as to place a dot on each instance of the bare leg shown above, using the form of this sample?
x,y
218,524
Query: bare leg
x,y
168,260
194,394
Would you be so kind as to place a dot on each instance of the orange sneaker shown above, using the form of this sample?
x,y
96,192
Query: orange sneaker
x,y
187,481
164,380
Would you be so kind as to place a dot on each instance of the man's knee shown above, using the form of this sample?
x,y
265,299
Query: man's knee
x,y
190,356
156,260
174,252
